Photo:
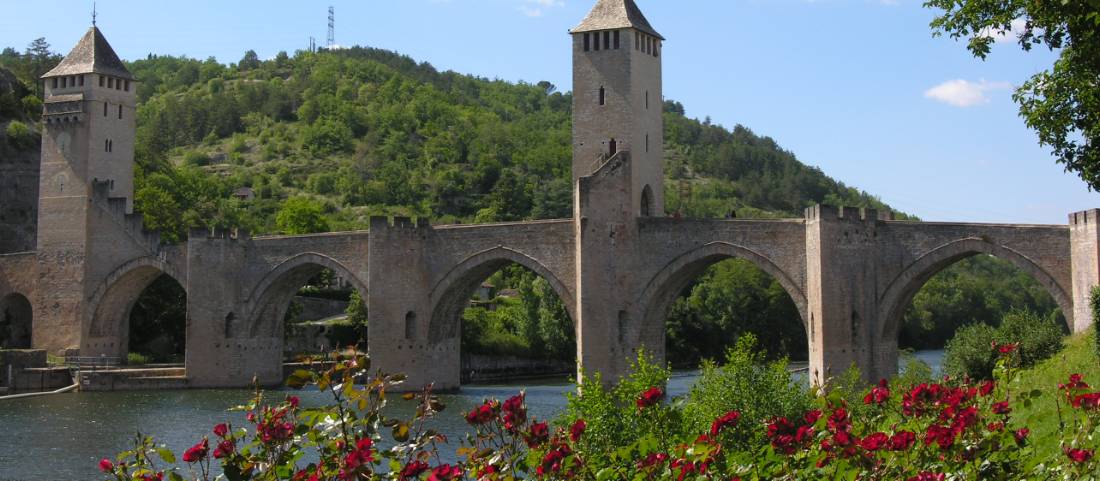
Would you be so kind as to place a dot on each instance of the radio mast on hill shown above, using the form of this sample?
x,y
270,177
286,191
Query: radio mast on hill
x,y
331,27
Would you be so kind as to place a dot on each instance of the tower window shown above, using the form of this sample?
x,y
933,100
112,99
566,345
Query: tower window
x,y
54,82
603,96
82,80
596,41
607,40
110,82
120,112
637,41
102,79
656,48
587,42
105,109
647,142
106,145
410,325
616,40
647,100
127,85
110,146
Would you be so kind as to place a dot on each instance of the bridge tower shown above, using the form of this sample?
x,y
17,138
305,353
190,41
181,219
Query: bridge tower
x,y
87,162
617,99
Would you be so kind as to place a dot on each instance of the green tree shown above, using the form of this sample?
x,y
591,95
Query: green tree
x,y
1061,104
301,215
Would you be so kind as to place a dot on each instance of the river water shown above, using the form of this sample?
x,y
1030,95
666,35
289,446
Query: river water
x,y
62,437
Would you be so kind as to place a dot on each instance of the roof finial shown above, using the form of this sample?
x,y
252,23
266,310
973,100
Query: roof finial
x,y
93,14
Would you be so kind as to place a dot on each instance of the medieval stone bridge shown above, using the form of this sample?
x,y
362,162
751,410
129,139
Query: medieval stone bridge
x,y
616,264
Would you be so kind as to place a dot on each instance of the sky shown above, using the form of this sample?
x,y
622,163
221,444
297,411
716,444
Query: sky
x,y
859,88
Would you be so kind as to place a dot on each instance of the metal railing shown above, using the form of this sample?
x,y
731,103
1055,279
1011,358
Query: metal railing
x,y
92,363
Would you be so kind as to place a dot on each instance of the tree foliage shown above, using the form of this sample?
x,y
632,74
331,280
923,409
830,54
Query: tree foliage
x,y
1062,104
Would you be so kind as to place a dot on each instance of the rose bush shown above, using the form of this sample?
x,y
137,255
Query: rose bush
x,y
951,429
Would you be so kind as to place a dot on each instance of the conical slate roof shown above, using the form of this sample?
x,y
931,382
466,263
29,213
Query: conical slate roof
x,y
91,55
615,14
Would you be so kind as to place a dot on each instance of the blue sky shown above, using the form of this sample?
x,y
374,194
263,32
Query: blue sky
x,y
857,87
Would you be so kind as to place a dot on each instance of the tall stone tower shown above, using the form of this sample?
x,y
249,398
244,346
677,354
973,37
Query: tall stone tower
x,y
617,99
86,185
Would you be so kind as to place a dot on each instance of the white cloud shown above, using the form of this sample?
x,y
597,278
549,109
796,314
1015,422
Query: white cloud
x,y
536,8
1006,36
964,93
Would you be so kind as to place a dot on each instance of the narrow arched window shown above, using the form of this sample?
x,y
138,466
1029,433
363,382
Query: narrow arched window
x,y
616,40
410,326
105,104
120,112
647,202
587,42
603,96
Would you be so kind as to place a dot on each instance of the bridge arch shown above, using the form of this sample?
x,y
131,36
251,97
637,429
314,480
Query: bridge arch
x,y
450,295
16,322
270,299
113,300
900,292
663,288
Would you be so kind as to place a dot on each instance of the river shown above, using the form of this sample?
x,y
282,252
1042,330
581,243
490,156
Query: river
x,y
62,437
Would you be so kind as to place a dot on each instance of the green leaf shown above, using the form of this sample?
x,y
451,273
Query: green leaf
x,y
167,455
174,476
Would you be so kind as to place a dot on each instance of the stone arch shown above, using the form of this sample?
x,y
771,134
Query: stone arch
x,y
647,201
663,288
265,303
111,303
450,295
899,293
16,322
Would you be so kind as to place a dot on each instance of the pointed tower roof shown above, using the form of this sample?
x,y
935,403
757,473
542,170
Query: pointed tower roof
x,y
91,55
614,14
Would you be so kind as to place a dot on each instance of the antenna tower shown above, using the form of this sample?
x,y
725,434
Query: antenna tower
x,y
331,27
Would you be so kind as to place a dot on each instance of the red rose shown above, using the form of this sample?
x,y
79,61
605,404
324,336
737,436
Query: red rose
x,y
927,476
293,401
414,470
481,414
812,416
577,430
874,442
1001,408
878,394
224,449
538,435
106,465
651,397
727,420
1079,455
1021,435
197,452
221,430
902,440
445,472
987,388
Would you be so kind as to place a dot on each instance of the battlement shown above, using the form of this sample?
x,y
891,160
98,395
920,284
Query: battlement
x,y
1086,217
382,222
221,233
851,214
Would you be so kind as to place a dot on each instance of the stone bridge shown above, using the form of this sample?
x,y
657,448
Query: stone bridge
x,y
617,264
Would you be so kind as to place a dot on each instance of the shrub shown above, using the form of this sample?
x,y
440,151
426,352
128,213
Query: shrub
x,y
747,383
1036,338
19,135
326,137
137,359
196,158
968,353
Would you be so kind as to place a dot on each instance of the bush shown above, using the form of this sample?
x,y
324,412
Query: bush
x,y
968,353
747,383
326,137
137,359
19,135
346,333
196,158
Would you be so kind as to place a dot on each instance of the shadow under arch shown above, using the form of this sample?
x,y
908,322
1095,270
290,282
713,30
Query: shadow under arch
x,y
662,290
451,294
16,322
265,303
900,292
114,299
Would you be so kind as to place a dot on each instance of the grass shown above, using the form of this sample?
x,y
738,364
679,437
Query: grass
x,y
1042,417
